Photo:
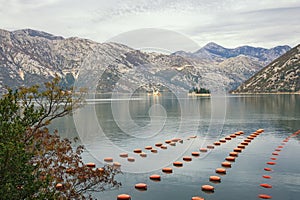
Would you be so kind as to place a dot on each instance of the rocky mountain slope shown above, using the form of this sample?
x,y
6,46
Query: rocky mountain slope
x,y
32,57
231,67
29,57
282,75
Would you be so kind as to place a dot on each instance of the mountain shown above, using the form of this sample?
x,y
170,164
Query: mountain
x,y
281,75
215,52
30,57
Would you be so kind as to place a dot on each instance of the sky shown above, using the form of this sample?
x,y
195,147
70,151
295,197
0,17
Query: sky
x,y
230,23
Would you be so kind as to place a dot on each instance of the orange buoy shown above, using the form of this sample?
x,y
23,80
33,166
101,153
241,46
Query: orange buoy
x,y
123,155
210,146
275,153
215,178
193,136
273,158
187,158
232,136
227,138
158,144
226,164
237,133
271,163
277,149
237,150
221,171
241,132
280,147
253,135
244,143
203,150
266,176
117,164
250,137
234,154
154,150
59,186
92,165
230,158
247,140
241,146
167,170
195,153
208,188
197,198
123,197
143,154
222,140
163,147
168,141
108,159
267,169
155,177
265,185
176,139
137,150
141,186
148,147
265,196
217,143
178,164
260,130
131,159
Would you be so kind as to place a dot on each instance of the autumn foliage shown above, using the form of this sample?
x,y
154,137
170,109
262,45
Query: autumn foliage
x,y
37,164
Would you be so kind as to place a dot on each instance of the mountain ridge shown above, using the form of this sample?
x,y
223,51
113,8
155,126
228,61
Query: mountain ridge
x,y
29,57
280,76
218,53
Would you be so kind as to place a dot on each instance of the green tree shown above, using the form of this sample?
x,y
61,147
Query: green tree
x,y
35,164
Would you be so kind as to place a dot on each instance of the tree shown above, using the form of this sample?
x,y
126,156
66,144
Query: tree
x,y
35,164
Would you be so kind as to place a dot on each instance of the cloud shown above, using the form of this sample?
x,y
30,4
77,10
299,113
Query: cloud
x,y
228,22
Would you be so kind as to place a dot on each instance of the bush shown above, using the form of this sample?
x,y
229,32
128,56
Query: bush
x,y
35,164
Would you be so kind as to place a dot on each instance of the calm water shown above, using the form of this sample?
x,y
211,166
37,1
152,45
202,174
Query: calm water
x,y
109,127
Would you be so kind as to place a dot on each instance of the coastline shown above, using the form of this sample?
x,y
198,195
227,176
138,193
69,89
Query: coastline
x,y
270,93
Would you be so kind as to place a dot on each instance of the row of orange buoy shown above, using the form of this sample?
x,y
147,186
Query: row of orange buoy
x,y
227,164
169,170
142,154
229,159
268,169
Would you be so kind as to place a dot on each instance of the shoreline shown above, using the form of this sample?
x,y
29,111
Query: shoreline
x,y
271,93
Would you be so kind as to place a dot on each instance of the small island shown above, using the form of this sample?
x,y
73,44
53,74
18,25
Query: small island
x,y
199,92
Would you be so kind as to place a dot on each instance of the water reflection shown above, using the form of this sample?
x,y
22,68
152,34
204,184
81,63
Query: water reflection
x,y
278,114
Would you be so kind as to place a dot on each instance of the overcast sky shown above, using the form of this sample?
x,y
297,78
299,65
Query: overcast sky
x,y
230,23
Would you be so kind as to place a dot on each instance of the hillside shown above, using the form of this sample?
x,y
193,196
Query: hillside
x,y
282,75
30,57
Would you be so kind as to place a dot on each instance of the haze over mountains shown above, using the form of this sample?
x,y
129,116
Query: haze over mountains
x,y
29,57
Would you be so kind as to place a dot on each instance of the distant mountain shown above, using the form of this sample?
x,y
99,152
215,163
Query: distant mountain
x,y
30,57
281,75
215,52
